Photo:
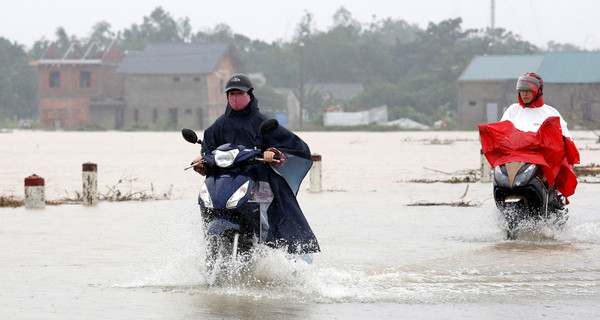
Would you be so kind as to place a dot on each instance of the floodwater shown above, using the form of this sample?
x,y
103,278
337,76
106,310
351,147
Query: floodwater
x,y
381,257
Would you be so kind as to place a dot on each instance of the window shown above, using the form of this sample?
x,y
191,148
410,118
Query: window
x,y
85,79
154,115
472,103
54,81
586,111
196,79
176,79
173,115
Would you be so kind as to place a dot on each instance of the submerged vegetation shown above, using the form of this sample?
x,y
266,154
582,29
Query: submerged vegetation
x,y
11,201
123,190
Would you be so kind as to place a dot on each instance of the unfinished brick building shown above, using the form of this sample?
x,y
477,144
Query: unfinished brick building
x,y
79,82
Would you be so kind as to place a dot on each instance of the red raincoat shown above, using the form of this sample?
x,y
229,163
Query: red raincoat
x,y
501,142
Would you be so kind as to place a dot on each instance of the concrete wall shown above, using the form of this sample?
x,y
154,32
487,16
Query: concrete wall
x,y
473,98
163,101
579,100
177,101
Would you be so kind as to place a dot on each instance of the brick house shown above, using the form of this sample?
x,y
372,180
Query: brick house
x,y
486,88
79,83
175,85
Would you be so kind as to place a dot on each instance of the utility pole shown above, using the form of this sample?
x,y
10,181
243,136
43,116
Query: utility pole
x,y
493,18
301,98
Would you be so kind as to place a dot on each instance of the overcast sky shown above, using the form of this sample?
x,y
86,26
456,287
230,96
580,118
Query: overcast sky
x,y
536,21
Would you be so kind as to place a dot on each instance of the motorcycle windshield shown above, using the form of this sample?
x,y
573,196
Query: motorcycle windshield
x,y
294,171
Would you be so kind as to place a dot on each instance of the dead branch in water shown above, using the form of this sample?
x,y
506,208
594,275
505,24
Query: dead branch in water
x,y
460,203
469,175
447,204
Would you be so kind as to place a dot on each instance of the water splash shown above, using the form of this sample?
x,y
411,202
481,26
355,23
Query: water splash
x,y
493,269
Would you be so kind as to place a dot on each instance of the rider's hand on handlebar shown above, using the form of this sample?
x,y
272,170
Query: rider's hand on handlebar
x,y
199,167
268,156
275,157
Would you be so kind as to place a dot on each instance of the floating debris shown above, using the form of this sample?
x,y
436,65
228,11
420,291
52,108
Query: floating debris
x,y
591,170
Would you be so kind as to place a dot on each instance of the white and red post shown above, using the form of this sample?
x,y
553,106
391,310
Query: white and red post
x,y
35,192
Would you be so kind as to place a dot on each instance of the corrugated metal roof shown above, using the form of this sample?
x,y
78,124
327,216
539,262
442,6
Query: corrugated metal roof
x,y
556,67
174,58
500,67
571,67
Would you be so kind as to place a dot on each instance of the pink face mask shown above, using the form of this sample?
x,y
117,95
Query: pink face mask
x,y
238,101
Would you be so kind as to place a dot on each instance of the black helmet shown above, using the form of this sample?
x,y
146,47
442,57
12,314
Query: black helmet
x,y
239,81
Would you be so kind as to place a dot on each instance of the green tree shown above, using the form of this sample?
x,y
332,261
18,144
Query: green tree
x,y
18,83
102,34
558,47
62,38
269,101
158,27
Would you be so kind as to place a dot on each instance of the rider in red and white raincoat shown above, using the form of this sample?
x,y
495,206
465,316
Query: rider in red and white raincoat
x,y
534,132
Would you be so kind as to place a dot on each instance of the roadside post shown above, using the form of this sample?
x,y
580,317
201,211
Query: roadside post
x,y
90,184
315,174
486,168
34,192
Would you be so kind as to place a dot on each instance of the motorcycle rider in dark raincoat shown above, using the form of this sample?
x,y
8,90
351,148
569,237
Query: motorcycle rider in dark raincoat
x,y
288,228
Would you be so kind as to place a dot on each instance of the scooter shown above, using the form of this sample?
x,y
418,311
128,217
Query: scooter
x,y
232,203
522,195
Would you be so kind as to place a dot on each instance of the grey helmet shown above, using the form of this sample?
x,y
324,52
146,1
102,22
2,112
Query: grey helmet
x,y
239,81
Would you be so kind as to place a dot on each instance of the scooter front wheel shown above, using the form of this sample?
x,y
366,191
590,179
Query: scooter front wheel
x,y
512,212
224,249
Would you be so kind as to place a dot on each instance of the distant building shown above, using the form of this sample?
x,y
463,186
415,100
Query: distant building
x,y
293,105
378,115
338,92
174,85
488,85
77,84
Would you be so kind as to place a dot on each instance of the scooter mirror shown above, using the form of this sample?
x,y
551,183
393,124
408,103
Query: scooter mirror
x,y
268,126
190,136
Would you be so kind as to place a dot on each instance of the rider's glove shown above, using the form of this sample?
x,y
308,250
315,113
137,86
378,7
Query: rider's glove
x,y
278,155
200,169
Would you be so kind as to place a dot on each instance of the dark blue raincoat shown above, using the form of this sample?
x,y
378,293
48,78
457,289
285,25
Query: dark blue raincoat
x,y
287,225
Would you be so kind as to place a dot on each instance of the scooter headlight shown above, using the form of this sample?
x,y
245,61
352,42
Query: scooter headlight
x,y
531,167
237,196
500,178
205,196
225,159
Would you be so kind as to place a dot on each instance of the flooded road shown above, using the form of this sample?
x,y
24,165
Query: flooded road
x,y
381,259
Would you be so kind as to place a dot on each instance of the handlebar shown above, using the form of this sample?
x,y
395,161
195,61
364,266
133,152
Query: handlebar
x,y
195,164
262,160
203,162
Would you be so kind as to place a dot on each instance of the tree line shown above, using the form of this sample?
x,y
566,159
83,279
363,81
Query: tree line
x,y
411,70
